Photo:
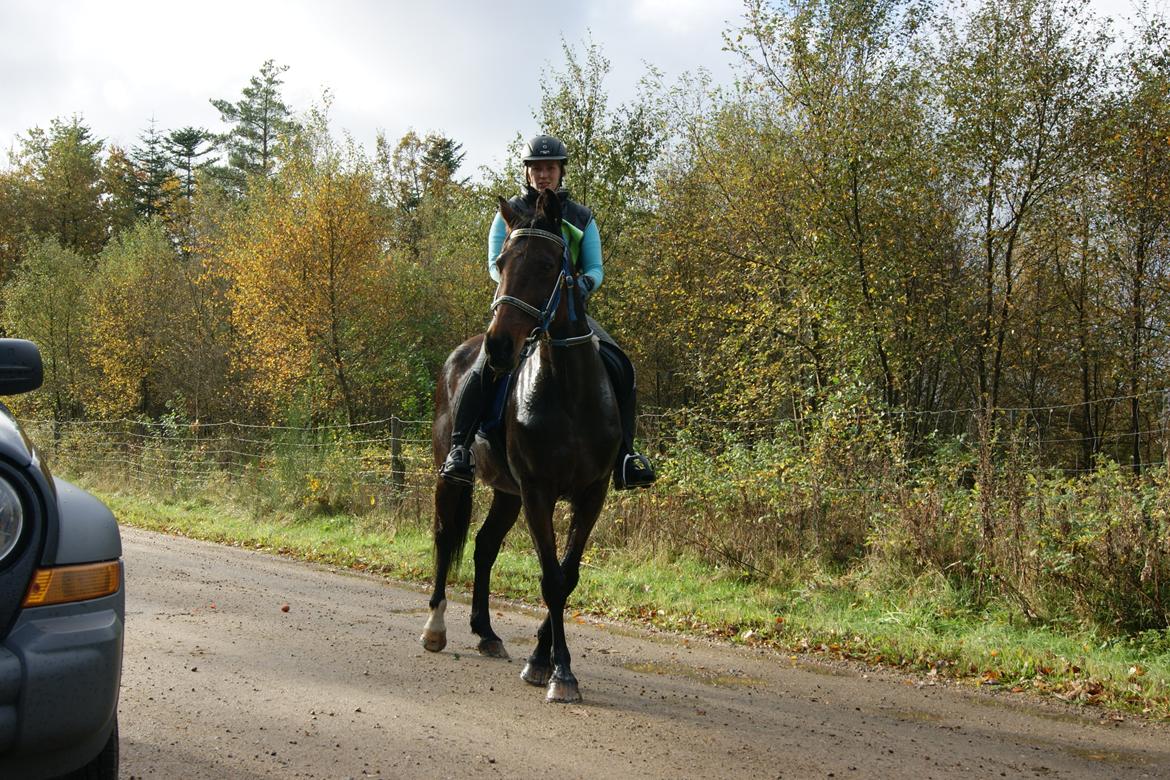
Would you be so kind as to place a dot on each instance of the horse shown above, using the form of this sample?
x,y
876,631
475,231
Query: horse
x,y
561,430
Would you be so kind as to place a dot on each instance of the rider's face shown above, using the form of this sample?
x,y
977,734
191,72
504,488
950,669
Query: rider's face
x,y
544,174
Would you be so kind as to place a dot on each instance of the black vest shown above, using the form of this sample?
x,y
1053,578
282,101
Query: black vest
x,y
571,211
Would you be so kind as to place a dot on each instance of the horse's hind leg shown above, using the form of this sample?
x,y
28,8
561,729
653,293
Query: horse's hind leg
x,y
502,515
452,519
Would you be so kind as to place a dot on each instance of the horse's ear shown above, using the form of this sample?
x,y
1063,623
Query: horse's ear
x,y
508,213
549,205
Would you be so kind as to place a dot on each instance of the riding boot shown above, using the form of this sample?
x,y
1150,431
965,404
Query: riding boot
x,y
632,469
459,467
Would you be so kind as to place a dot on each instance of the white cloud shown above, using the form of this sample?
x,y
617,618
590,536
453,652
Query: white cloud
x,y
686,17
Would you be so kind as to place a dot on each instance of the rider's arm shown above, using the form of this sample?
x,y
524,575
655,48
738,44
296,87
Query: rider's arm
x,y
591,255
496,236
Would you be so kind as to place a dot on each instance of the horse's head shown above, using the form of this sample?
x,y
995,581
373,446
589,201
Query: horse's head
x,y
530,266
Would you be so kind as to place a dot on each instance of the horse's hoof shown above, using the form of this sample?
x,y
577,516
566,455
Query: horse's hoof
x,y
492,648
563,692
535,674
433,640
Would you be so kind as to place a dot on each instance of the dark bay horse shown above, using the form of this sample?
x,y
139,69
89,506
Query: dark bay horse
x,y
562,433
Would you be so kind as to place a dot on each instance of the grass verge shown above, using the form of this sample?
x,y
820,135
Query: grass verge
x,y
919,626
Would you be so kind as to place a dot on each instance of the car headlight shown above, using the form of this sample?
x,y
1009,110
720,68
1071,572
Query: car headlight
x,y
11,518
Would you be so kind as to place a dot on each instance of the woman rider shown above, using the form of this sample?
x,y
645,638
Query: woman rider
x,y
544,168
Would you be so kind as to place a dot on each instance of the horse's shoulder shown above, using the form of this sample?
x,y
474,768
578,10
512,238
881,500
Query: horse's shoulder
x,y
463,356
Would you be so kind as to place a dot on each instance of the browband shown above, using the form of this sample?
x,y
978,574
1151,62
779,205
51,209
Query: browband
x,y
538,233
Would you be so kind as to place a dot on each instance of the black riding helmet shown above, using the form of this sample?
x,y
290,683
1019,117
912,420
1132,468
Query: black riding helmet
x,y
545,147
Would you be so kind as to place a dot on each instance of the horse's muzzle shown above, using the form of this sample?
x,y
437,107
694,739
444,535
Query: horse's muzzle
x,y
502,353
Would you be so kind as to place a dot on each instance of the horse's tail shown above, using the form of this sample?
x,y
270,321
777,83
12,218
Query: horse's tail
x,y
452,522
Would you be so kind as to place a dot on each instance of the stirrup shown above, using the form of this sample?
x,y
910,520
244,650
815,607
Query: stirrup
x,y
634,471
459,467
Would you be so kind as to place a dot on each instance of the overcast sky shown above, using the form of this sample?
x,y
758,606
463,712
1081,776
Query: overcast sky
x,y
468,69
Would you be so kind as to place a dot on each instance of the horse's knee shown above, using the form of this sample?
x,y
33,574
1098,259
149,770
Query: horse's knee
x,y
553,587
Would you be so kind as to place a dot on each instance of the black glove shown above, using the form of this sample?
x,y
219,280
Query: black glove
x,y
586,283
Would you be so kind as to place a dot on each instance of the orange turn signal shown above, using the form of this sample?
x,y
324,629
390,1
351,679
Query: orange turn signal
x,y
64,584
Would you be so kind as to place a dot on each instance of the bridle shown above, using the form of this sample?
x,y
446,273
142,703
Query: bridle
x,y
565,281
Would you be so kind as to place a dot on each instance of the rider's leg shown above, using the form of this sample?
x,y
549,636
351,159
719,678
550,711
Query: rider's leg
x,y
469,409
632,469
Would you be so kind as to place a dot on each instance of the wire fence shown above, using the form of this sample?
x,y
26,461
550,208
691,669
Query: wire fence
x,y
389,461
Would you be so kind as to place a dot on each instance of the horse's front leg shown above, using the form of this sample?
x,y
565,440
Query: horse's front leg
x,y
562,684
538,510
502,515
452,519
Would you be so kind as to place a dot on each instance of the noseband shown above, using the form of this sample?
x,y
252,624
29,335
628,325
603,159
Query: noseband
x,y
544,316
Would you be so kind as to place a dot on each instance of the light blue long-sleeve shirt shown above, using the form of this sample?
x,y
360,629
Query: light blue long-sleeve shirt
x,y
590,250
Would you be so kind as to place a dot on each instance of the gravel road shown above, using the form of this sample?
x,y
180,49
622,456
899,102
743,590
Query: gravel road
x,y
221,683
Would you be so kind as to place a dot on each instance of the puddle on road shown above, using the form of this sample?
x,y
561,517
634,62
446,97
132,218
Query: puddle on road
x,y
721,678
1038,711
826,671
1096,754
409,611
1116,757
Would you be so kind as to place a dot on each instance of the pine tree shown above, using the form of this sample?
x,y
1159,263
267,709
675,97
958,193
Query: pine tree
x,y
153,169
441,160
258,123
187,147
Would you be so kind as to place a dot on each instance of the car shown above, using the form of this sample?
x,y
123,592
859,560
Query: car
x,y
62,607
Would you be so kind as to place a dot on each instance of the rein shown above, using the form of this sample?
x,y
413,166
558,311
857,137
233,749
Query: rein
x,y
544,316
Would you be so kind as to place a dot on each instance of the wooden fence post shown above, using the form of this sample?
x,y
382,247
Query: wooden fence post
x,y
397,465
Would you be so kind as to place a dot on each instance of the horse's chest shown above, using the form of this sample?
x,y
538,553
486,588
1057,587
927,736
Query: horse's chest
x,y
539,405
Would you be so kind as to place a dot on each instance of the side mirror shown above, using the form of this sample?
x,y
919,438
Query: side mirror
x,y
21,369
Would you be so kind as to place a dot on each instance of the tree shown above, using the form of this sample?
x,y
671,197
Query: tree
x,y
187,148
611,152
418,171
307,282
140,326
441,161
154,173
60,181
1019,81
45,302
1138,165
847,89
120,188
259,124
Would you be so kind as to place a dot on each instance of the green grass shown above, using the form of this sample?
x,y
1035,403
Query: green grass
x,y
920,625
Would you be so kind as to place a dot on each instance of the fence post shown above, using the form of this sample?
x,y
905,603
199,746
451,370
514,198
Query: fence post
x,y
397,465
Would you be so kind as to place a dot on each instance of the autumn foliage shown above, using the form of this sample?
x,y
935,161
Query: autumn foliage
x,y
899,294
